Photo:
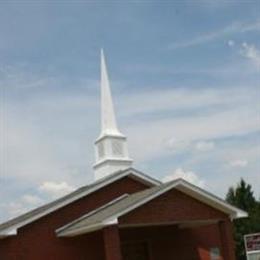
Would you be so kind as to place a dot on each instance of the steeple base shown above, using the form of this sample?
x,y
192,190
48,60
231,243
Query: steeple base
x,y
110,166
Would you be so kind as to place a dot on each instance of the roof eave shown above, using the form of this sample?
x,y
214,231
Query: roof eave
x,y
240,214
88,229
8,233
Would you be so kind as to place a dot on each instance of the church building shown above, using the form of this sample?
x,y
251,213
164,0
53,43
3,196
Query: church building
x,y
124,214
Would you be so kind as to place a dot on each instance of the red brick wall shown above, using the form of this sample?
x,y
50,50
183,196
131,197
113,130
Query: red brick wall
x,y
38,241
226,234
169,207
169,242
7,249
112,244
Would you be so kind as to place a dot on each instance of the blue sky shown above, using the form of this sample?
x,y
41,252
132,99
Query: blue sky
x,y
185,81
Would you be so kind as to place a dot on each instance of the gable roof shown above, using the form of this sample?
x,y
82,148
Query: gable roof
x,y
10,227
109,214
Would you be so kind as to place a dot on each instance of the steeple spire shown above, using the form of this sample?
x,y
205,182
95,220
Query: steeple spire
x,y
108,119
111,146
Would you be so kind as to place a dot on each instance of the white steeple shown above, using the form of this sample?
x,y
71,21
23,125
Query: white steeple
x,y
108,119
111,146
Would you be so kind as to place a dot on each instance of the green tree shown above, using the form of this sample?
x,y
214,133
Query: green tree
x,y
242,197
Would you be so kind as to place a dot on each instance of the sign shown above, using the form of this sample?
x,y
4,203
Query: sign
x,y
252,242
252,246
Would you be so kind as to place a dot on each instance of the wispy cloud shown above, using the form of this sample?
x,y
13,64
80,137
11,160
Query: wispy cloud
x,y
32,199
189,176
252,53
206,122
20,205
14,209
205,146
238,163
184,99
234,28
47,191
55,189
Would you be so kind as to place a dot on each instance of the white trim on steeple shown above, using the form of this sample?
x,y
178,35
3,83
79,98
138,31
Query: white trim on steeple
x,y
111,145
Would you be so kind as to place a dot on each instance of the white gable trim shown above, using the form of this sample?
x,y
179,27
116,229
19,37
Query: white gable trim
x,y
88,229
131,172
179,184
91,213
212,201
8,232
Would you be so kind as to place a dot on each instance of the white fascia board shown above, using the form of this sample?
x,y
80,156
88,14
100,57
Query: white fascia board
x,y
82,230
253,234
8,233
88,229
131,172
253,252
59,230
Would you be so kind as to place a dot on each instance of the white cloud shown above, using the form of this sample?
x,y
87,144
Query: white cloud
x,y
231,43
15,208
241,120
19,206
31,200
204,146
176,99
238,163
250,52
186,175
55,189
236,27
215,166
176,145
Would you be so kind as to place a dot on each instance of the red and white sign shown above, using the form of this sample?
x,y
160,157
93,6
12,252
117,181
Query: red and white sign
x,y
252,242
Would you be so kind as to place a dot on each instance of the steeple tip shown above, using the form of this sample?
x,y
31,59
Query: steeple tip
x,y
102,53
108,118
111,145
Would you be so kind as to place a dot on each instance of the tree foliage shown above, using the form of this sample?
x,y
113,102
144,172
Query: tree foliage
x,y
242,197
